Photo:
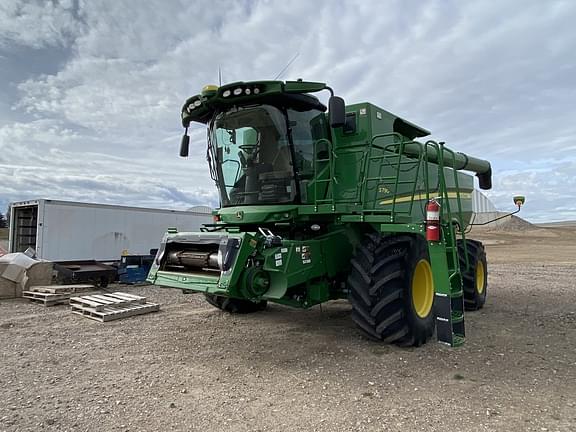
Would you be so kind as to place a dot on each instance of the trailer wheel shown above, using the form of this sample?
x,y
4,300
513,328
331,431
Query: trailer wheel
x,y
392,291
235,306
475,277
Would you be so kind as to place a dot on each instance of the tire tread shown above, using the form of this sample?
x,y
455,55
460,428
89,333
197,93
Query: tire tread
x,y
377,284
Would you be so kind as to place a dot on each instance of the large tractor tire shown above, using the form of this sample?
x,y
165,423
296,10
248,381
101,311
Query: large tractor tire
x,y
235,306
475,277
392,290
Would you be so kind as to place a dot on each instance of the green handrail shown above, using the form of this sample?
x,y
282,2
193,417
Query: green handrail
x,y
330,180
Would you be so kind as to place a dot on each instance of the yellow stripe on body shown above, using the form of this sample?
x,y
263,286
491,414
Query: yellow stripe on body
x,y
422,196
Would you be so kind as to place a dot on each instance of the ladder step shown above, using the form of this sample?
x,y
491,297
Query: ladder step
x,y
448,302
456,294
457,317
457,340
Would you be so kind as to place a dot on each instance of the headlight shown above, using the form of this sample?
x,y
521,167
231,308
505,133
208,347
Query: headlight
x,y
226,93
237,91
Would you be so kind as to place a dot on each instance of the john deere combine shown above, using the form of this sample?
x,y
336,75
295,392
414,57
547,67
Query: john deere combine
x,y
320,204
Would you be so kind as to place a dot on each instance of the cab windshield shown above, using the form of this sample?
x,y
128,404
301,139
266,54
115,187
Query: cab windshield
x,y
251,151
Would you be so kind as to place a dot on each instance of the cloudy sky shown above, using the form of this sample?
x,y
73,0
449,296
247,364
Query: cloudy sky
x,y
90,91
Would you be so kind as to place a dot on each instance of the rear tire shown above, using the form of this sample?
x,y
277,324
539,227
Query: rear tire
x,y
392,291
475,277
235,306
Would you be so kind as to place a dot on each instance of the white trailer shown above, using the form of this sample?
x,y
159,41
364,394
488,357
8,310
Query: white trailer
x,y
75,231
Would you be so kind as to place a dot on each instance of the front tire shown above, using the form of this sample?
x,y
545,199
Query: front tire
x,y
235,306
391,289
475,277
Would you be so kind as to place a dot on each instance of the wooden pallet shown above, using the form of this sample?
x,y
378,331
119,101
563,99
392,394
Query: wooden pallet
x,y
99,302
109,307
114,313
62,289
48,299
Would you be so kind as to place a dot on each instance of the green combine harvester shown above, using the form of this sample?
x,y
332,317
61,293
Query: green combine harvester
x,y
320,204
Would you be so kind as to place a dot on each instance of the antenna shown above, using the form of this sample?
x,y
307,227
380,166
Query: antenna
x,y
287,66
219,76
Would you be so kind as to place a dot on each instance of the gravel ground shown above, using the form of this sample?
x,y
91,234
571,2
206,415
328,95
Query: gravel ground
x,y
191,367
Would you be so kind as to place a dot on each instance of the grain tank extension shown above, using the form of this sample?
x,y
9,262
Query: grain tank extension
x,y
346,202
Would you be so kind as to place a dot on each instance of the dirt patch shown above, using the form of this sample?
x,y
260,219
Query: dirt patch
x,y
512,223
191,367
536,245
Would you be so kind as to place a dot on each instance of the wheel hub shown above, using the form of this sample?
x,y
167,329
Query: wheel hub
x,y
480,277
422,288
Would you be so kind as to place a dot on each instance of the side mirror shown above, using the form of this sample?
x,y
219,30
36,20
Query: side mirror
x,y
184,146
337,111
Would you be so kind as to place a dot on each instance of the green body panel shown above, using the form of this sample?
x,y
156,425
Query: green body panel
x,y
301,272
368,170
371,175
259,214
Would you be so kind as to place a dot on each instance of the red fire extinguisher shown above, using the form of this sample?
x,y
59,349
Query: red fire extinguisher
x,y
433,220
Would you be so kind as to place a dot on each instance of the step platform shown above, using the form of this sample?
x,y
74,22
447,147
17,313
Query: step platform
x,y
110,307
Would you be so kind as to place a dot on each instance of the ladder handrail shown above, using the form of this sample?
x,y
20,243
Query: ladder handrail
x,y
330,180
397,148
446,201
459,201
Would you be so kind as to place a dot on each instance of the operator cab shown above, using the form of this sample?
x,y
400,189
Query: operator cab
x,y
264,153
267,140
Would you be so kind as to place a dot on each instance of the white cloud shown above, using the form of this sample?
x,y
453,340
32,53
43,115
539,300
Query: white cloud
x,y
43,131
38,23
32,167
548,187
497,81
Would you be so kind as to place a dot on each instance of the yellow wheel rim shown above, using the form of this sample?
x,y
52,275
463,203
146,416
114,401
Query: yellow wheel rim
x,y
422,289
480,277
